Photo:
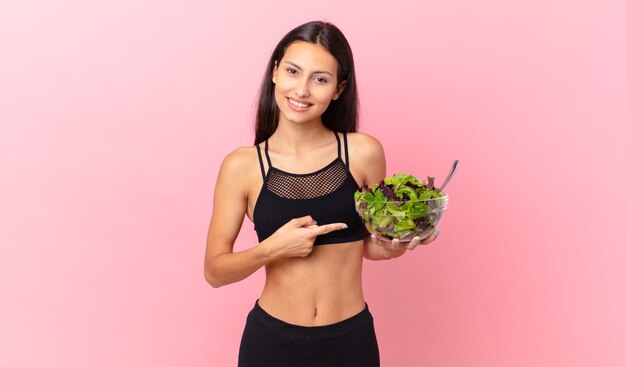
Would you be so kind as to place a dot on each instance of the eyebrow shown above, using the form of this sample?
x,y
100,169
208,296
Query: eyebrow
x,y
315,72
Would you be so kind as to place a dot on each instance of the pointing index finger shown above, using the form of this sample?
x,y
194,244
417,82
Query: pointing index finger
x,y
326,228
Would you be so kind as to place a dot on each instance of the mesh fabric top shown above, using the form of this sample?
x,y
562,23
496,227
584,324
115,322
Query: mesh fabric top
x,y
327,195
310,185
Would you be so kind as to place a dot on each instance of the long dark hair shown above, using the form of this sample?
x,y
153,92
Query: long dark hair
x,y
342,114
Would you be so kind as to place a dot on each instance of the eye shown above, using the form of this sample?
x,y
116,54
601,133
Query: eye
x,y
321,80
291,71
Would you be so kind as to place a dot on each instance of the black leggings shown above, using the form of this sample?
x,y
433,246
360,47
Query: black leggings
x,y
268,341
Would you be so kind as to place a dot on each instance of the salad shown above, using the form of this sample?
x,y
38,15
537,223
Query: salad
x,y
400,206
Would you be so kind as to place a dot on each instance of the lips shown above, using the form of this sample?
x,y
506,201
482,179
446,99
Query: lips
x,y
298,103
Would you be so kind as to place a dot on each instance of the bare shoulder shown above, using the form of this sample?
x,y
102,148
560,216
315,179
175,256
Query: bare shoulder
x,y
364,147
367,158
239,159
237,166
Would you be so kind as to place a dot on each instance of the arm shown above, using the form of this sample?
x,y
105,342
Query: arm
x,y
374,251
221,265
368,156
371,161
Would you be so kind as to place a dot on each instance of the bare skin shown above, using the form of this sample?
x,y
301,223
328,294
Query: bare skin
x,y
305,285
325,286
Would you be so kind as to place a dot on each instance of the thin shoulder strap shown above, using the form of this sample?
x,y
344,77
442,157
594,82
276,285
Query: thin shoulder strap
x,y
338,144
269,162
258,150
345,146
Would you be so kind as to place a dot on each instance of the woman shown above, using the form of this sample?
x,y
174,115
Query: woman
x,y
311,241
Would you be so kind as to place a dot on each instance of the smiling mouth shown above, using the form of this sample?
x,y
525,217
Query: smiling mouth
x,y
298,104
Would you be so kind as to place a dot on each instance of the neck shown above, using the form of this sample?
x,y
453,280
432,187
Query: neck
x,y
300,138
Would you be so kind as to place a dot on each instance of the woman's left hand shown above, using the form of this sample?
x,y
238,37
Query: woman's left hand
x,y
395,248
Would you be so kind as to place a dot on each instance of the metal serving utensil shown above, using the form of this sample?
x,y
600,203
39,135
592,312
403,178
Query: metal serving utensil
x,y
455,167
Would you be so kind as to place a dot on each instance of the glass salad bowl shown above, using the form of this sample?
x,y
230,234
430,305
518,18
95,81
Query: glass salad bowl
x,y
388,218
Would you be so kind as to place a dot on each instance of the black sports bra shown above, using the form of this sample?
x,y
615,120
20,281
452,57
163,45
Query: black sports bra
x,y
327,195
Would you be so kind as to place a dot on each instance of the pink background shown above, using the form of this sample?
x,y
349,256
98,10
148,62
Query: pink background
x,y
116,116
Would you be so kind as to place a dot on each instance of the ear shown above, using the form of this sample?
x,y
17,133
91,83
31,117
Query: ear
x,y
340,89
274,71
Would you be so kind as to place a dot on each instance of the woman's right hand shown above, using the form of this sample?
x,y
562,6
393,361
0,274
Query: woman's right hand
x,y
296,237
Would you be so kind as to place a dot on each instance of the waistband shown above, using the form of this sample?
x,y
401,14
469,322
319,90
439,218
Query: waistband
x,y
351,322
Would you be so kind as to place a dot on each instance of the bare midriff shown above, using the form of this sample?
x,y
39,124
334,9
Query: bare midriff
x,y
320,289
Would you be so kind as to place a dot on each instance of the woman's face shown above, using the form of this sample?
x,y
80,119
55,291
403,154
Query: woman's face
x,y
305,82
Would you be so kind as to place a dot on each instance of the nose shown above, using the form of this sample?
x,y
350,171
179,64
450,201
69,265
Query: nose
x,y
302,88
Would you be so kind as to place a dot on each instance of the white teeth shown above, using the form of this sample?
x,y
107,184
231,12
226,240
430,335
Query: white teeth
x,y
297,104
